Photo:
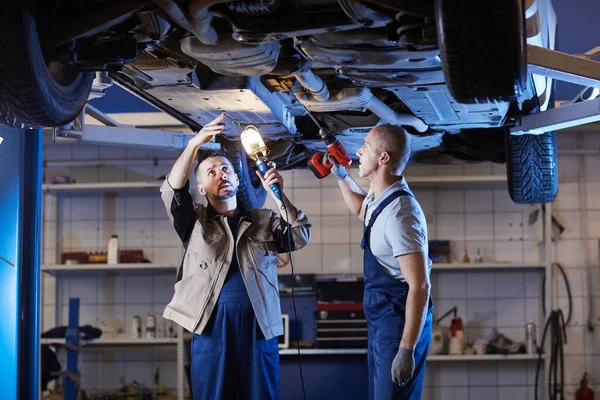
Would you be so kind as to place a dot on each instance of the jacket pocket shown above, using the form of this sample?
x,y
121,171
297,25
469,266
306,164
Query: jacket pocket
x,y
190,294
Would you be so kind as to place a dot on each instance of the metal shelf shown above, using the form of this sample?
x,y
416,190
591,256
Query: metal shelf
x,y
101,269
457,182
484,266
486,357
116,342
87,188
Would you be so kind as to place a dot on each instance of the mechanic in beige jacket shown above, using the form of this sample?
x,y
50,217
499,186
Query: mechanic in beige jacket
x,y
227,290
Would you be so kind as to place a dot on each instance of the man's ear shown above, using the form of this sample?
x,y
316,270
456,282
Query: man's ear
x,y
201,190
384,158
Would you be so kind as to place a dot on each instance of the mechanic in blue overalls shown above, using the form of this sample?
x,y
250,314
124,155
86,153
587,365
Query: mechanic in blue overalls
x,y
397,299
227,290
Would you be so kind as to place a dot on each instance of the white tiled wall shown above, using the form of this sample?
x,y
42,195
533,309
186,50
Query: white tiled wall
x,y
484,220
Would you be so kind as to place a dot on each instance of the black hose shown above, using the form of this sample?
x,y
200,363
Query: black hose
x,y
567,287
556,327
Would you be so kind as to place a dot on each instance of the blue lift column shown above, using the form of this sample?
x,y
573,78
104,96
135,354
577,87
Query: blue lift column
x,y
20,239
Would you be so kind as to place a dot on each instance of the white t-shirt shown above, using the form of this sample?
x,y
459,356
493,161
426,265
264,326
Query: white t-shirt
x,y
399,229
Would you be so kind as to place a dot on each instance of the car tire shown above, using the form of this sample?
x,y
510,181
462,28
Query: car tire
x,y
531,168
30,95
482,46
251,192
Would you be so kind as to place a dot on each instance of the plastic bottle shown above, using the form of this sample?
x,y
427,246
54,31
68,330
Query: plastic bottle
x,y
457,337
113,250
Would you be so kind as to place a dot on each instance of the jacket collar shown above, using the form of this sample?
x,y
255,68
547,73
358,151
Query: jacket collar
x,y
212,213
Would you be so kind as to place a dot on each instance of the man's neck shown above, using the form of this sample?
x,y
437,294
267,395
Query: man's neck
x,y
382,181
227,207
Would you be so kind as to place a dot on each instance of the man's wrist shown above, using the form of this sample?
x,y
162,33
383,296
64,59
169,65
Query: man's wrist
x,y
341,178
407,346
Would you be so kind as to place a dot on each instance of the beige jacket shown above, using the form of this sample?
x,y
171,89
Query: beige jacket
x,y
209,250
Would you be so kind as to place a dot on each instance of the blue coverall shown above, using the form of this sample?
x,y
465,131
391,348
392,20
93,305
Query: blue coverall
x,y
231,358
385,307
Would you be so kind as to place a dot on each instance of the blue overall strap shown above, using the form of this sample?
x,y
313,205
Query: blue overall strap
x,y
378,211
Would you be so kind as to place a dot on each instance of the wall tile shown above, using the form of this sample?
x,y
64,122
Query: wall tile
x,y
568,196
575,341
49,234
139,207
305,200
593,224
511,251
453,393
450,227
316,232
304,178
111,375
479,200
112,174
49,317
162,288
576,369
49,289
336,258
510,312
513,392
111,319
481,285
480,226
164,234
84,174
138,234
512,373
89,375
168,255
307,260
451,285
481,313
138,289
453,377
427,200
570,253
483,374
593,369
332,202
336,229
56,151
509,284
356,230
482,392
356,259
450,201
86,288
568,168
508,226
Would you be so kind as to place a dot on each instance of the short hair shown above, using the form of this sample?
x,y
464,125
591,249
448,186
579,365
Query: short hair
x,y
395,141
203,154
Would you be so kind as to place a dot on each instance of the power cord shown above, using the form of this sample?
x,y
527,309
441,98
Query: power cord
x,y
557,327
289,235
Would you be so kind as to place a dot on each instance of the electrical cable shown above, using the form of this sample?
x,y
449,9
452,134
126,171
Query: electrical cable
x,y
556,327
289,235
